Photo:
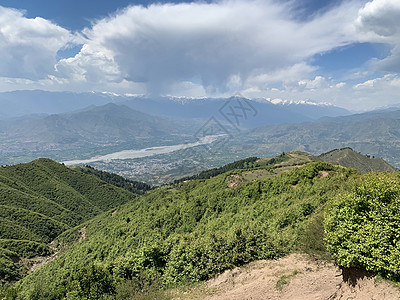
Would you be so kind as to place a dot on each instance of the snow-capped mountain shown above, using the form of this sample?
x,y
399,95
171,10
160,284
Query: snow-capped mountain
x,y
237,110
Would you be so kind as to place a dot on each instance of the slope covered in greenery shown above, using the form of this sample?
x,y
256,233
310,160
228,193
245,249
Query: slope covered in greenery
x,y
240,164
189,232
130,185
349,158
42,199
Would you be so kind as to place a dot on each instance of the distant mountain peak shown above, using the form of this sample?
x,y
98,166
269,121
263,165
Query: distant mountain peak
x,y
238,95
134,95
296,102
112,94
183,99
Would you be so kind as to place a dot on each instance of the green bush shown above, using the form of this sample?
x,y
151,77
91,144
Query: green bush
x,y
25,248
8,291
10,269
363,226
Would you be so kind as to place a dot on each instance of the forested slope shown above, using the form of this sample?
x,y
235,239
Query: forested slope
x,y
187,232
191,231
42,199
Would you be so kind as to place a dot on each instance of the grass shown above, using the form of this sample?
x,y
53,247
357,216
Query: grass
x,y
285,279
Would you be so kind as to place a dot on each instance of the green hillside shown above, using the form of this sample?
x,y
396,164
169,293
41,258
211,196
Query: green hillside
x,y
347,157
187,232
42,199
191,231
114,179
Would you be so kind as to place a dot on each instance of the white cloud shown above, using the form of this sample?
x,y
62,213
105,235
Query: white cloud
x,y
389,81
92,65
289,76
369,94
186,89
224,45
380,17
318,82
257,47
341,85
378,21
28,47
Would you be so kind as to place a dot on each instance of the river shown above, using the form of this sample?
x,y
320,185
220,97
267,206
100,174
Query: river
x,y
131,154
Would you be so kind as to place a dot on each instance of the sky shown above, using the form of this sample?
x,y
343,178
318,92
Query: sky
x,y
342,52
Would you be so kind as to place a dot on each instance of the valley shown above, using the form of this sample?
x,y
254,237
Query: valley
x,y
132,154
178,233
157,153
191,149
191,199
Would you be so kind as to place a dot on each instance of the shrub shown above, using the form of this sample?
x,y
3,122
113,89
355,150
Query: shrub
x,y
363,227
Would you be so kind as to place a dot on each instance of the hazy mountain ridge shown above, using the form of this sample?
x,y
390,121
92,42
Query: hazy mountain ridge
x,y
372,133
95,126
260,111
28,102
20,103
130,122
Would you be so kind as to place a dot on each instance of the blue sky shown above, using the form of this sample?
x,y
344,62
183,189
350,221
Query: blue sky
x,y
342,52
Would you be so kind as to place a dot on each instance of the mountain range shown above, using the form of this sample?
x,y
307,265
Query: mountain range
x,y
95,126
135,122
65,125
30,102
373,133
237,110
20,103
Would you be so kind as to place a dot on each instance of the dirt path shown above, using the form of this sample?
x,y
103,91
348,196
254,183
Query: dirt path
x,y
294,277
36,263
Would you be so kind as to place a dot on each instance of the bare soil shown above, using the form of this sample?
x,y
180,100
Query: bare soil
x,y
294,277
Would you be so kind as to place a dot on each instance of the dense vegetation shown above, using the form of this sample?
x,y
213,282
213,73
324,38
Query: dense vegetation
x,y
190,232
130,185
240,164
39,201
362,226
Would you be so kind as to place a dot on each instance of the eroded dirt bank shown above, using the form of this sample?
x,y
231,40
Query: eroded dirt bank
x,y
294,277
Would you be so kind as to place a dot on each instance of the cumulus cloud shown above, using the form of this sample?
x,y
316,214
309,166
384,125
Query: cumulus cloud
x,y
378,21
389,81
92,65
289,76
382,18
28,47
222,45
260,48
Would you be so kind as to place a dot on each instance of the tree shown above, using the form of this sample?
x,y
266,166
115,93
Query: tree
x,y
363,227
